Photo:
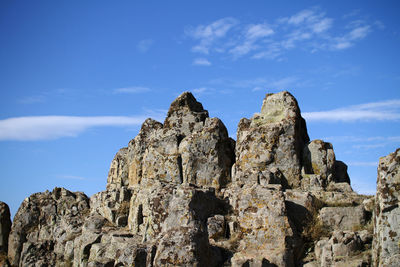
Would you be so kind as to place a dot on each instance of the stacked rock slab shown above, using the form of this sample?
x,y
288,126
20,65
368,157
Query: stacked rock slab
x,y
386,245
176,197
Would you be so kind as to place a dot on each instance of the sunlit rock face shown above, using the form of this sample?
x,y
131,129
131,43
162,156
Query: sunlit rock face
x,y
269,146
183,193
189,147
386,250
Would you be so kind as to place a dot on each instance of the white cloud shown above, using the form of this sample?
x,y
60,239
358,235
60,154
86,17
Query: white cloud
x,y
201,62
309,30
377,111
144,45
322,25
258,31
207,34
200,90
72,177
131,90
301,17
54,127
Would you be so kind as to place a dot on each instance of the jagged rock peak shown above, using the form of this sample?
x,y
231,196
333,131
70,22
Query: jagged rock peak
x,y
185,111
277,107
186,100
269,145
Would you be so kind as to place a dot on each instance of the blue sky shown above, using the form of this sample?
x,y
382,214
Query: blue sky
x,y
77,78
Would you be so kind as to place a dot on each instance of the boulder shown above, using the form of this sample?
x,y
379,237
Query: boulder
x,y
274,138
387,211
321,170
343,218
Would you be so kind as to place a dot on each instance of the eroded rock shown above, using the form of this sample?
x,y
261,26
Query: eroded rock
x,y
387,211
274,138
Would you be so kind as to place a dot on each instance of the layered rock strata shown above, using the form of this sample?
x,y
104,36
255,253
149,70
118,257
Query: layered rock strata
x,y
182,193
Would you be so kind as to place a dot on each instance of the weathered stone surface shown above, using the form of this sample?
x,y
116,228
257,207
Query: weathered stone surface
x,y
321,170
344,248
265,228
118,174
387,211
273,138
5,226
188,148
216,226
343,218
300,207
44,224
112,204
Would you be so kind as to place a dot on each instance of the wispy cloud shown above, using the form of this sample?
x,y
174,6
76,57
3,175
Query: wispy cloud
x,y
32,99
363,163
144,45
261,83
71,177
54,127
201,62
376,111
131,90
207,35
309,29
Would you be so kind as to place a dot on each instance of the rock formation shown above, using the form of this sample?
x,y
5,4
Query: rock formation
x,y
386,246
182,193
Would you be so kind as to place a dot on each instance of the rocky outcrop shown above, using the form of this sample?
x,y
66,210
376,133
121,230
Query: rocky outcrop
x,y
44,227
269,146
189,147
182,193
386,246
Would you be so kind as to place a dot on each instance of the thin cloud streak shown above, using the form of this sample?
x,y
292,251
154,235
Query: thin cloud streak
x,y
131,90
54,127
375,111
72,177
201,62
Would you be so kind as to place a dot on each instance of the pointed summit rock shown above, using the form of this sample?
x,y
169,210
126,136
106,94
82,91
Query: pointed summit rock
x,y
269,145
189,147
185,114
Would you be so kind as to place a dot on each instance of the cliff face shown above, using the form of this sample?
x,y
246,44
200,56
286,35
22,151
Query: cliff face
x,y
185,194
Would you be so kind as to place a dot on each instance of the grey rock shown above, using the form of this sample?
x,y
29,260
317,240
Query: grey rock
x,y
273,138
387,211
341,246
44,224
216,226
343,218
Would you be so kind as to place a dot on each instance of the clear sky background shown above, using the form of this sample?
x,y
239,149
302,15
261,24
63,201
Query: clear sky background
x,y
77,78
